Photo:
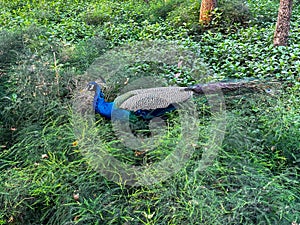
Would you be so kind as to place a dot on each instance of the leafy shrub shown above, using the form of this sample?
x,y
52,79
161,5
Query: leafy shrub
x,y
283,128
255,177
82,54
97,15
186,14
36,87
263,12
15,46
11,43
159,10
229,16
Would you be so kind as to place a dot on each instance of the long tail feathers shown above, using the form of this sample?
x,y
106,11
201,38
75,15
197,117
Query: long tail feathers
x,y
225,87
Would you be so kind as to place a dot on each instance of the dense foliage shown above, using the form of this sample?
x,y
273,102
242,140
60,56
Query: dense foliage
x,y
45,49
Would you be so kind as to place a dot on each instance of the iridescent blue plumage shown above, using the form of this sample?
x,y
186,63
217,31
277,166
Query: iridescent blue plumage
x,y
102,107
150,114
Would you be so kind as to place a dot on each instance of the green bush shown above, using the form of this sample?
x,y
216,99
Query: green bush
x,y
285,127
264,12
254,178
229,16
159,10
82,54
11,43
186,14
99,15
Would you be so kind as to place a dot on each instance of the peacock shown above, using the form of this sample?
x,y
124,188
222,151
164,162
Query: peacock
x,y
142,103
155,102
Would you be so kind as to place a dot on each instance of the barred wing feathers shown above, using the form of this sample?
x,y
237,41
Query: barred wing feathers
x,y
152,98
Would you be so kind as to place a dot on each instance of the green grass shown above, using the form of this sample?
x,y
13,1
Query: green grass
x,y
49,155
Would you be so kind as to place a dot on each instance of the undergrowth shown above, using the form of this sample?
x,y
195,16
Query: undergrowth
x,y
49,177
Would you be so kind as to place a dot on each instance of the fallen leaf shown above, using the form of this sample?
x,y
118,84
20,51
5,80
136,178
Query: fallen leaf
x,y
45,156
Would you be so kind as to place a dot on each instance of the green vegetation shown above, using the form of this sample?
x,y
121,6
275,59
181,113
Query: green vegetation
x,y
45,48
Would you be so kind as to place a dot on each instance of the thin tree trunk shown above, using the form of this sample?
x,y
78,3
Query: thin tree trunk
x,y
205,10
283,23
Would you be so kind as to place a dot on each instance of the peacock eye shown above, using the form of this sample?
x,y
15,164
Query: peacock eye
x,y
268,90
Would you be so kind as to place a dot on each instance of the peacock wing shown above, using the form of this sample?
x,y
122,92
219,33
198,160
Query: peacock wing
x,y
152,98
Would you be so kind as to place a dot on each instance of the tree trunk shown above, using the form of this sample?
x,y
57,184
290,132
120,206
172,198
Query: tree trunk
x,y
283,23
205,10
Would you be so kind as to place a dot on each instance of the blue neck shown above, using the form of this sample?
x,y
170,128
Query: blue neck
x,y
107,109
100,105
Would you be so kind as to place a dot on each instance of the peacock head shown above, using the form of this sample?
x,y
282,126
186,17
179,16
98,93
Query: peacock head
x,y
92,86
